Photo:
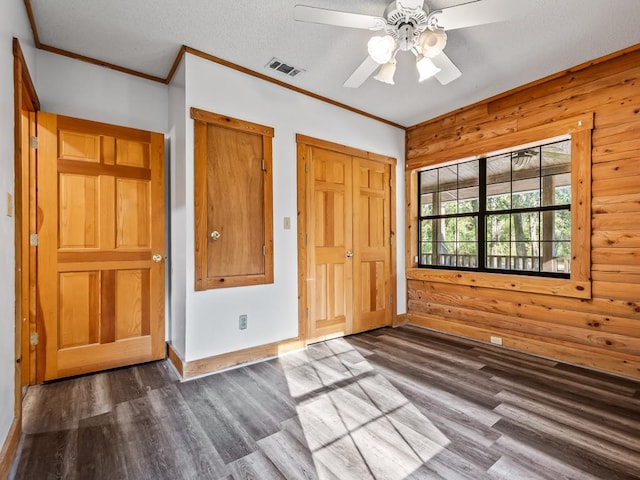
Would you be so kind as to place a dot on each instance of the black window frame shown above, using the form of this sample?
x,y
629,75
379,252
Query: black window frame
x,y
483,214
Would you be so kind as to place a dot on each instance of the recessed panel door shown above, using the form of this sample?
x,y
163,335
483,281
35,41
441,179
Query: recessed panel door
x,y
372,237
101,246
330,289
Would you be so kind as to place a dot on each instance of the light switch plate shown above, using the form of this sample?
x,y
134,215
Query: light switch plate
x,y
9,205
287,223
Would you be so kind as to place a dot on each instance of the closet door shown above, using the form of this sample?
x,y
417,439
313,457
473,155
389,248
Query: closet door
x,y
331,241
346,279
373,305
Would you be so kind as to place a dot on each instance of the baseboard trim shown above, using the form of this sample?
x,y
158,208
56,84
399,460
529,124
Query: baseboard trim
x,y
175,359
10,447
622,365
401,319
204,366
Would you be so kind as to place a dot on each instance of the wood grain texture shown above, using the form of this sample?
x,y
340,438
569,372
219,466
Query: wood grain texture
x,y
346,267
233,164
392,404
344,149
208,365
10,447
25,102
605,221
101,296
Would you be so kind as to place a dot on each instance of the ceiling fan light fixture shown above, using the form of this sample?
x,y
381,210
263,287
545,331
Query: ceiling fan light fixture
x,y
386,73
381,48
432,42
426,68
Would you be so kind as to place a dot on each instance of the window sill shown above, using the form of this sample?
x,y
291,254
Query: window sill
x,y
547,286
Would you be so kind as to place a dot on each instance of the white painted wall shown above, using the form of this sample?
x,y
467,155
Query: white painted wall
x,y
178,221
79,89
13,23
212,316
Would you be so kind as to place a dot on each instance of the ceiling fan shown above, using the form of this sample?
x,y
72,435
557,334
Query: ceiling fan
x,y
409,27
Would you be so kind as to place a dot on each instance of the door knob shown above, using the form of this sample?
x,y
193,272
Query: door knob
x,y
349,254
215,235
157,258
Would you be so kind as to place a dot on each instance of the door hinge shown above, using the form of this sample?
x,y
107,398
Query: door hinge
x,y
34,339
33,142
33,240
264,250
264,166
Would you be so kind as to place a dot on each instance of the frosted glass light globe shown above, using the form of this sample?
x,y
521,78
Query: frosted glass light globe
x,y
381,48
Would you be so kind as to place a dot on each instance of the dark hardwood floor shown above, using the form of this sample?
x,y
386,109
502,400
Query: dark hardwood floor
x,y
390,404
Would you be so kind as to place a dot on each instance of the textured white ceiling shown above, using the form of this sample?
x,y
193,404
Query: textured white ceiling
x,y
145,35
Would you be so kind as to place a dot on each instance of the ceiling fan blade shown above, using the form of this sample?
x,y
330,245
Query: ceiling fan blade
x,y
361,73
303,13
477,13
448,71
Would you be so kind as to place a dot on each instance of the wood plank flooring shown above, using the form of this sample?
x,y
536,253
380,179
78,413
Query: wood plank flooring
x,y
391,404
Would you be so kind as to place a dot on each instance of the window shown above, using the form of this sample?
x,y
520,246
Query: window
x,y
505,213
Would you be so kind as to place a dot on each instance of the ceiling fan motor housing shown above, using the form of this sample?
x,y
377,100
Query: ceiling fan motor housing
x,y
405,25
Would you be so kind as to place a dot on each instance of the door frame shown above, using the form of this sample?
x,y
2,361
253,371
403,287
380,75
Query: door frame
x,y
25,99
303,200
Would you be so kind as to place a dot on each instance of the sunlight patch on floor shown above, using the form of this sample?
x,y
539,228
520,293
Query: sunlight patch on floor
x,y
356,423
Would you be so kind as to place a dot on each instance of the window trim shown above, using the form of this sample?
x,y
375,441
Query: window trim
x,y
578,285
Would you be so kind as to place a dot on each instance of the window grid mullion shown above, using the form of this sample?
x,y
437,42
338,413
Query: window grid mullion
x,y
482,216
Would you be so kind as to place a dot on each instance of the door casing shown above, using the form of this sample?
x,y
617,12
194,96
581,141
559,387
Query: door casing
x,y
26,103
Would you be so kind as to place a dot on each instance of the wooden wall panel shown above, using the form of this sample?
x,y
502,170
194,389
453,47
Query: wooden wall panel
x,y
602,331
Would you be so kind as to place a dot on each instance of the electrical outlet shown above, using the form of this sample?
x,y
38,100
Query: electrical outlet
x,y
242,324
496,340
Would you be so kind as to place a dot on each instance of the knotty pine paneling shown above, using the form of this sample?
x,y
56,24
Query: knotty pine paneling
x,y
602,332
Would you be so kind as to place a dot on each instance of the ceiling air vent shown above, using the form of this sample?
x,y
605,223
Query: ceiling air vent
x,y
280,66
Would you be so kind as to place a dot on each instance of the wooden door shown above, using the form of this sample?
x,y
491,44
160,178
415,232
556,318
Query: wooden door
x,y
373,306
233,202
101,246
347,280
331,240
239,250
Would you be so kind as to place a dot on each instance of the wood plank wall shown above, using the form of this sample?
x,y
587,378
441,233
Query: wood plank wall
x,y
602,332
